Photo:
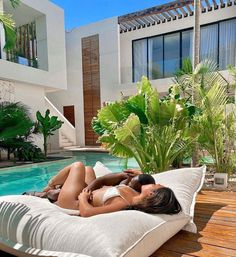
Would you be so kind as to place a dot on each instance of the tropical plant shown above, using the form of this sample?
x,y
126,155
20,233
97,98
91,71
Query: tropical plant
x,y
29,152
16,127
213,125
9,27
47,125
152,130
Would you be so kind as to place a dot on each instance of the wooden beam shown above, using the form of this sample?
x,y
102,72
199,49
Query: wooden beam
x,y
146,21
154,10
189,10
157,19
177,13
202,7
185,14
140,22
208,5
166,16
172,15
151,20
132,25
222,3
215,4
161,17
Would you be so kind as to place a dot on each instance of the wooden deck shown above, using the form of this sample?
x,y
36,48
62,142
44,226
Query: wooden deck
x,y
215,217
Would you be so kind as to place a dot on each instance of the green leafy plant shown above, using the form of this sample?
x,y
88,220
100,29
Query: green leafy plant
x,y
214,126
16,127
47,125
9,27
152,130
29,152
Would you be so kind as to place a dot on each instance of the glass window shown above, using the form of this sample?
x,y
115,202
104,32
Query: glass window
x,y
139,59
187,44
171,54
209,43
155,57
227,44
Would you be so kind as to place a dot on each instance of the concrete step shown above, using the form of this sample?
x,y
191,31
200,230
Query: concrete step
x,y
67,144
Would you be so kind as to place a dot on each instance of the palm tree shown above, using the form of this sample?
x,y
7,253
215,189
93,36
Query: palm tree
x,y
196,58
196,33
9,27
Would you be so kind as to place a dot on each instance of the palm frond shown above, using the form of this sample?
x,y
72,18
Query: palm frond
x,y
9,28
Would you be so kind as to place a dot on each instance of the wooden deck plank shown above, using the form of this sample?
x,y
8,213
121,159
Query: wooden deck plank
x,y
215,217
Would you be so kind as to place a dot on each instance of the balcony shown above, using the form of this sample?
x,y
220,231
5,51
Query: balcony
x,y
25,51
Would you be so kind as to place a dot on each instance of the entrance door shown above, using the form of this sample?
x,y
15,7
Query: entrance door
x,y
69,113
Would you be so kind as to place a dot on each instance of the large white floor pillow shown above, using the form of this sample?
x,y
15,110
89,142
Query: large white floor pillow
x,y
35,226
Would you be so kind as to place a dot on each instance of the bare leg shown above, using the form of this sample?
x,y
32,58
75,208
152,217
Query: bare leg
x,y
72,187
89,175
59,179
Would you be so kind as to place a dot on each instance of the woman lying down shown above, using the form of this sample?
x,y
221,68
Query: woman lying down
x,y
128,190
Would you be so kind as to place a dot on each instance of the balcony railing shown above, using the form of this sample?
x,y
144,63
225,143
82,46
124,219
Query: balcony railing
x,y
25,51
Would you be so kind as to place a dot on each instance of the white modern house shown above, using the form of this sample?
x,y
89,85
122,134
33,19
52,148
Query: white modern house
x,y
107,57
39,65
73,74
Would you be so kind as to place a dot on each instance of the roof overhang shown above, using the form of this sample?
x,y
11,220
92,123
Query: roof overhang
x,y
166,13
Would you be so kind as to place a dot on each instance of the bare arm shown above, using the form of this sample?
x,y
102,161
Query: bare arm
x,y
87,210
107,180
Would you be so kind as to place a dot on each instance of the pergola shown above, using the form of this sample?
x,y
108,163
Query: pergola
x,y
167,12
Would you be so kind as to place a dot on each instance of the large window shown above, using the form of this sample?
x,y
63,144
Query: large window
x,y
171,54
155,57
209,42
140,58
160,56
227,43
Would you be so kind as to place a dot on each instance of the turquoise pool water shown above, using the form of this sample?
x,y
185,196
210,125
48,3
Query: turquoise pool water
x,y
35,177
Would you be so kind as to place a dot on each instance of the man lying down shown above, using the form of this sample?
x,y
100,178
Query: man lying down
x,y
76,187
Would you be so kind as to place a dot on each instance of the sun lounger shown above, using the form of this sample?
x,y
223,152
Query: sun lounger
x,y
30,225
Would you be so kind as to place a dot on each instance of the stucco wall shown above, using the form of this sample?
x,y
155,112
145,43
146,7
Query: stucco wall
x,y
51,46
109,69
33,97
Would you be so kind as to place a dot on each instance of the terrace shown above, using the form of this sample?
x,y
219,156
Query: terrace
x,y
215,210
216,223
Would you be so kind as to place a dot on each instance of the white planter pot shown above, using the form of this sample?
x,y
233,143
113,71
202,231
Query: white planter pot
x,y
221,180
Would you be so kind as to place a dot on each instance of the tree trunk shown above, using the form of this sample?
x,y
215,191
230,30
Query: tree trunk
x,y
45,146
196,60
196,33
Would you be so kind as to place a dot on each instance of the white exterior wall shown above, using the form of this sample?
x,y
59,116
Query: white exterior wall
x,y
109,70
179,24
30,84
51,46
34,99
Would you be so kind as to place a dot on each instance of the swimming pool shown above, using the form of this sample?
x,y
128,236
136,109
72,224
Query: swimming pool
x,y
35,177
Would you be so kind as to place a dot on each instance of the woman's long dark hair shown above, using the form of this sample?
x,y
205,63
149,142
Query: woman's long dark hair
x,y
163,201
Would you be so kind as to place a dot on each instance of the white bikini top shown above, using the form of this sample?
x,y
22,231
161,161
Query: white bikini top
x,y
113,192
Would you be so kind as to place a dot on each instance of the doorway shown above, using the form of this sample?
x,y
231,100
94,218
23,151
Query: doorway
x,y
69,113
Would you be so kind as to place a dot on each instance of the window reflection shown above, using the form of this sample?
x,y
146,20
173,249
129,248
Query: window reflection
x,y
155,57
171,54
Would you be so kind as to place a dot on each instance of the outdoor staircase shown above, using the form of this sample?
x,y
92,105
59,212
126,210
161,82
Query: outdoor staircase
x,y
66,142
67,136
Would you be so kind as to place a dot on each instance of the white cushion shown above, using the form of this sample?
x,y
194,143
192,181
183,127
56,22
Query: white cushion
x,y
32,224
100,169
185,183
36,223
